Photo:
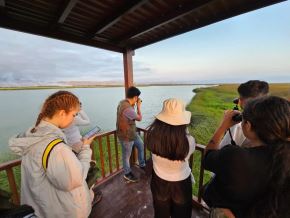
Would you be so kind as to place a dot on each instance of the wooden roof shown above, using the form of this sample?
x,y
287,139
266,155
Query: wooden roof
x,y
118,25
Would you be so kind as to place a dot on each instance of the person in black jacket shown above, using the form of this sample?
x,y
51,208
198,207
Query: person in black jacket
x,y
253,181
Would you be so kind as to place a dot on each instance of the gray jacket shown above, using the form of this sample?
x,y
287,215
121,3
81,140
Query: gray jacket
x,y
61,190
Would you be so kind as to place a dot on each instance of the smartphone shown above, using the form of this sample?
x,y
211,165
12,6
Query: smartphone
x,y
92,132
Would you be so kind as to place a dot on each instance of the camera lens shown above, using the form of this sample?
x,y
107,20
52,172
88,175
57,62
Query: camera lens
x,y
236,101
237,118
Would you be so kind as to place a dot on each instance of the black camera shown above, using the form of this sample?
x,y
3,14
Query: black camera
x,y
236,101
237,117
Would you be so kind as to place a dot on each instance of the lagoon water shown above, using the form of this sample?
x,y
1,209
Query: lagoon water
x,y
19,109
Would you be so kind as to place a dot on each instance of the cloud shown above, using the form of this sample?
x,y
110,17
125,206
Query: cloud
x,y
29,58
254,45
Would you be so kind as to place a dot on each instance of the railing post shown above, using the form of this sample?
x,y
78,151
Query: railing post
x,y
13,187
191,161
116,150
102,158
145,147
201,172
109,153
93,150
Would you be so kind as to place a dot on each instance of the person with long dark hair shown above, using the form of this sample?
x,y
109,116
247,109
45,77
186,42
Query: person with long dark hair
x,y
253,181
171,146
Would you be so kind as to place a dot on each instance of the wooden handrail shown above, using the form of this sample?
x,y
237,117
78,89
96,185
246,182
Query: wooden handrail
x,y
200,147
8,167
10,164
197,200
141,129
107,169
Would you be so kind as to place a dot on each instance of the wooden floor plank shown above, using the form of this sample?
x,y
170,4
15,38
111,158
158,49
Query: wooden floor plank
x,y
128,200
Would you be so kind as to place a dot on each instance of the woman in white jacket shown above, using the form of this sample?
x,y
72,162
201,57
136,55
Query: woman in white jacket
x,y
52,176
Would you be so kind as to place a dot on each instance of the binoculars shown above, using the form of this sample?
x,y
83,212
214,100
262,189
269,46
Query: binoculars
x,y
236,101
237,117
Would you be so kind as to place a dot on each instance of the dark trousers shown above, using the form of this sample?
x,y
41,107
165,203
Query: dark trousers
x,y
171,199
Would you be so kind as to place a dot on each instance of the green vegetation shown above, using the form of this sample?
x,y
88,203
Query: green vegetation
x,y
207,109
280,89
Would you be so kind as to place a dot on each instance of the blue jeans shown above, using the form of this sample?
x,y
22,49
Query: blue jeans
x,y
127,150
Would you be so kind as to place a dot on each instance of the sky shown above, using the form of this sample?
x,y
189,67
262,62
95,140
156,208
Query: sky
x,y
255,45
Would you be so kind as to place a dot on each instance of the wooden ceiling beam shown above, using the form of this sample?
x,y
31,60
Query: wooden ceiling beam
x,y
63,13
42,31
225,5
133,5
234,11
2,9
176,14
2,3
66,11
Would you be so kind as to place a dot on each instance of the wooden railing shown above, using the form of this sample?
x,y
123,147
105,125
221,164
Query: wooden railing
x,y
197,200
8,167
107,153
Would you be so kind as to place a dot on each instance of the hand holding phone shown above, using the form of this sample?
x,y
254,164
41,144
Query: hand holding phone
x,y
92,132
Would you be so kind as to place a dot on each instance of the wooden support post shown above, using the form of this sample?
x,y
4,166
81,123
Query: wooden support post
x,y
128,80
128,68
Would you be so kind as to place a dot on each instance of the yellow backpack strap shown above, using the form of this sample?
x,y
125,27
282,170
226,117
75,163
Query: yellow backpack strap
x,y
47,151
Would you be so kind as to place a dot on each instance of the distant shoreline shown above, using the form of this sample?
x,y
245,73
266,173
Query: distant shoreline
x,y
87,86
113,85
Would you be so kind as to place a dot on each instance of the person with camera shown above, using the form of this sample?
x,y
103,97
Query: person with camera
x,y
252,181
248,90
126,130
